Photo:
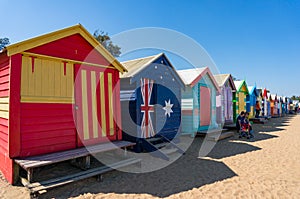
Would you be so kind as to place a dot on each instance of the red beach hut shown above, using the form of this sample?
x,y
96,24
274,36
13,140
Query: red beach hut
x,y
49,85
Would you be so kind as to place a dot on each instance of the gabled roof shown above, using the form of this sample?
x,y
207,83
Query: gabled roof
x,y
59,34
221,79
136,66
191,76
239,84
253,90
272,97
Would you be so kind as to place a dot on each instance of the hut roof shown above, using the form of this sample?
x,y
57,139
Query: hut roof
x,y
135,66
53,36
191,76
221,79
239,85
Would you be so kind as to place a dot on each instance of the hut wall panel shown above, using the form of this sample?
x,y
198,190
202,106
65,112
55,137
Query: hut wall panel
x,y
46,128
46,81
73,47
6,164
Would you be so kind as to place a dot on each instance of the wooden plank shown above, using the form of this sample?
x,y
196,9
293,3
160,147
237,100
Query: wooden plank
x,y
36,187
42,160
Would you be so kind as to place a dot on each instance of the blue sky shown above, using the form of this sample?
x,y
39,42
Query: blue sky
x,y
252,39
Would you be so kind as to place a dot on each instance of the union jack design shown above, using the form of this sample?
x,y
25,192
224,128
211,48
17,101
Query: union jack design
x,y
146,108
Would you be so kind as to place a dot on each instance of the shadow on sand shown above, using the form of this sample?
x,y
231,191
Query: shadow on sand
x,y
184,174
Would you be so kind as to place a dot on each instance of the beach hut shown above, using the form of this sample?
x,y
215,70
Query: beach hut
x,y
274,105
279,105
240,98
260,100
251,100
198,100
284,105
50,85
266,105
151,102
227,89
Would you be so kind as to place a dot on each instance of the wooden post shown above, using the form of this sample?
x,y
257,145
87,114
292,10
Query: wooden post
x,y
87,162
29,175
16,173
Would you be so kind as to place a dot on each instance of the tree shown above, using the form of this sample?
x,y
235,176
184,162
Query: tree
x,y
104,39
3,42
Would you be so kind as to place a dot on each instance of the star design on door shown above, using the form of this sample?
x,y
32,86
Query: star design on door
x,y
168,108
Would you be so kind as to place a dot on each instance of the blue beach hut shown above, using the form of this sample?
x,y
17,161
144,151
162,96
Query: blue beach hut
x,y
198,100
251,100
150,102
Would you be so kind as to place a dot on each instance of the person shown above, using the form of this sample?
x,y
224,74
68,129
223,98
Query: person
x,y
296,108
246,127
238,121
257,109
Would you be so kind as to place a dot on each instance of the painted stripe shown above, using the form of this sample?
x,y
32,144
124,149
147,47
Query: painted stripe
x,y
102,102
89,103
94,104
84,106
110,102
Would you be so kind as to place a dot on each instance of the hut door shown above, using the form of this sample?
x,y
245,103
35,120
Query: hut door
x,y
94,105
229,114
241,102
205,106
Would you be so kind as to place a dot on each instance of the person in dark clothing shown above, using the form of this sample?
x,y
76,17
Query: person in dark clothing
x,y
238,121
257,109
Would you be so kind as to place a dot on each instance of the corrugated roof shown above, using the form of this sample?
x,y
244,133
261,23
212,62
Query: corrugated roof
x,y
189,75
136,65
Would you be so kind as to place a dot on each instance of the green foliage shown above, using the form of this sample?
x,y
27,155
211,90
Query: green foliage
x,y
295,97
3,42
104,39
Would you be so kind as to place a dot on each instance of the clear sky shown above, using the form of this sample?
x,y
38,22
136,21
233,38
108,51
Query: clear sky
x,y
254,39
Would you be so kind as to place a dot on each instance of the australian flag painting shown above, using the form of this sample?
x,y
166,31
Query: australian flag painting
x,y
159,110
147,129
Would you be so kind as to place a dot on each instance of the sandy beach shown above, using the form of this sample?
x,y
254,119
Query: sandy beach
x,y
266,167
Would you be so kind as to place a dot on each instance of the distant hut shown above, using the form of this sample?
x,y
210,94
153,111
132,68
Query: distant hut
x,y
240,98
227,89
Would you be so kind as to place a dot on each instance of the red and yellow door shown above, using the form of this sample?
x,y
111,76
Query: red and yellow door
x,y
95,105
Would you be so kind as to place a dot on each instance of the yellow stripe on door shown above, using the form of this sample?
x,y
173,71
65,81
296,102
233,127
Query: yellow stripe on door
x,y
110,105
85,119
94,104
102,102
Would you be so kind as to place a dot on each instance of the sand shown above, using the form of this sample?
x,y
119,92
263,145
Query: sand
x,y
266,167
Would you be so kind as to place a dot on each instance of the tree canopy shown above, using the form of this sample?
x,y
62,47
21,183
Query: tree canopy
x,y
3,42
104,39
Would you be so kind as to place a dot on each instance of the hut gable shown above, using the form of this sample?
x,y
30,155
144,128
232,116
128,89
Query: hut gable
x,y
145,67
75,43
253,91
241,86
225,80
191,77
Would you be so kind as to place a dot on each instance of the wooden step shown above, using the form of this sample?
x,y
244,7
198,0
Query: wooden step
x,y
42,160
160,145
169,151
154,139
41,187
